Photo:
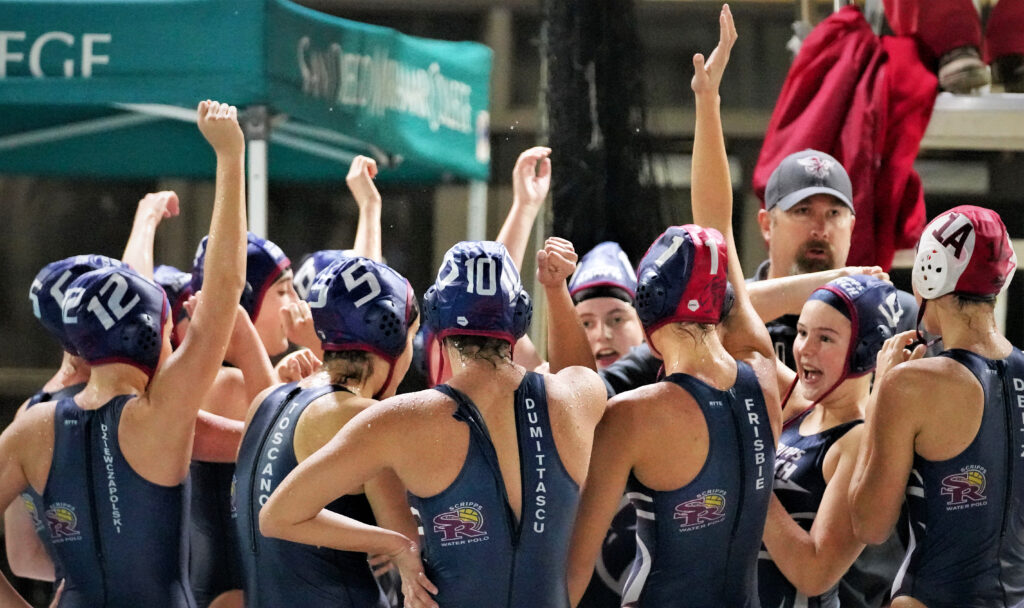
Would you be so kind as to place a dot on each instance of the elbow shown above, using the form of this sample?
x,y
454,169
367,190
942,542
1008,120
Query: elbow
x,y
869,527
271,525
816,583
36,567
870,533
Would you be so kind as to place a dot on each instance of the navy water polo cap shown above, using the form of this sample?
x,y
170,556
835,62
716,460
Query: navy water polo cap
x,y
264,264
115,315
50,286
478,292
605,271
874,311
312,265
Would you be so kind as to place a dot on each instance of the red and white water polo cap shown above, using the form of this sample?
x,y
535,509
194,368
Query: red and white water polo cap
x,y
965,250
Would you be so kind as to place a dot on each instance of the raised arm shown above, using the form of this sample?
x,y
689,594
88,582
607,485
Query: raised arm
x,y
567,340
216,438
190,370
138,251
360,183
773,298
531,179
712,189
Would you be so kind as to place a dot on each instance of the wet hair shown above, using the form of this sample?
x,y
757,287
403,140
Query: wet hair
x,y
697,331
964,300
346,366
493,350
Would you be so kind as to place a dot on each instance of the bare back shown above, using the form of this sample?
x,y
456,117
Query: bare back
x,y
575,403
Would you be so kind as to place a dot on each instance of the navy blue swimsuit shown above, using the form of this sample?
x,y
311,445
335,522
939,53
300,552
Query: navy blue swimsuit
x,y
614,562
474,549
33,501
122,539
280,573
966,547
800,486
214,554
697,546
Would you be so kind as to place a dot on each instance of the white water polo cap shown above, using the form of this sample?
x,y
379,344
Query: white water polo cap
x,y
966,251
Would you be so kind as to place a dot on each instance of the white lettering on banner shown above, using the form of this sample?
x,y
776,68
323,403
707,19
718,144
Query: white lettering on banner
x,y
380,84
11,52
759,447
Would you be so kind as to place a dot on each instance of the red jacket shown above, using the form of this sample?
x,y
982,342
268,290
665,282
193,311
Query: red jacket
x,y
867,102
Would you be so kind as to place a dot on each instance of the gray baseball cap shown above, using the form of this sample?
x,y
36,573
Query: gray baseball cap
x,y
805,173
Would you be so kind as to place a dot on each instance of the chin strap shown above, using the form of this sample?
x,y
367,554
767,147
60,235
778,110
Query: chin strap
x,y
387,381
920,336
432,377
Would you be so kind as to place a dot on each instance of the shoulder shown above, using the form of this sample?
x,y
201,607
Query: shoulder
x,y
848,445
907,393
922,379
646,406
766,371
334,409
409,408
31,430
579,383
38,414
258,401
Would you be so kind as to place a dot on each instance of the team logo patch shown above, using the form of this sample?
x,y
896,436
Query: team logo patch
x,y
965,489
62,522
707,509
462,523
818,167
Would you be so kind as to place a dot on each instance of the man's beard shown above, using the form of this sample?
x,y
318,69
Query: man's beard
x,y
805,264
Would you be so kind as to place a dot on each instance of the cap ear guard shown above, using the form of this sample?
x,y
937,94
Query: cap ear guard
x,y
478,292
50,286
938,266
114,315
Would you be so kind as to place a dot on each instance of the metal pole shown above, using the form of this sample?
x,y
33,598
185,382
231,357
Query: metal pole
x,y
805,11
476,211
256,128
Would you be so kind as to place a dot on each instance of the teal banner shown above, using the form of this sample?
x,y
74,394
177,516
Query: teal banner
x,y
419,106
148,51
427,99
